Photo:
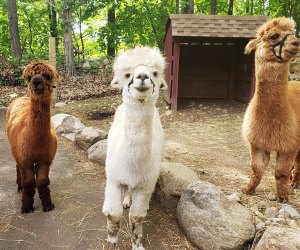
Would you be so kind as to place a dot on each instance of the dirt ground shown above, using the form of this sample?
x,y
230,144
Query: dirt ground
x,y
204,135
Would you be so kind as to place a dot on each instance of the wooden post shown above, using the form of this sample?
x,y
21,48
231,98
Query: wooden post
x,y
52,62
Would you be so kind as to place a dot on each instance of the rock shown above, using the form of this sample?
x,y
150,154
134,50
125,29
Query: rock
x,y
174,178
88,136
168,112
58,119
272,196
293,213
293,224
280,221
59,104
105,61
86,65
234,197
260,226
283,214
276,237
212,221
66,124
97,152
257,213
262,205
14,95
271,212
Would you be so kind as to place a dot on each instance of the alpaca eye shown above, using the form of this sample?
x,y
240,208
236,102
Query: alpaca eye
x,y
155,73
47,76
275,37
127,75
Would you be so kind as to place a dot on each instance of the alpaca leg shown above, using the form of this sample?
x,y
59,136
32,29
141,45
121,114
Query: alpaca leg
x,y
137,213
42,183
259,162
19,179
113,210
28,184
284,163
127,197
296,172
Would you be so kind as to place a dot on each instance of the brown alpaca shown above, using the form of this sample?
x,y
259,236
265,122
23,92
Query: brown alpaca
x,y
272,119
32,136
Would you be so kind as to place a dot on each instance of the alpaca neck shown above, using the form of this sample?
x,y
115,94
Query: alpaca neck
x,y
40,116
139,118
271,84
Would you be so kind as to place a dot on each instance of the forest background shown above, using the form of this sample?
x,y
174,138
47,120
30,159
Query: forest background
x,y
96,29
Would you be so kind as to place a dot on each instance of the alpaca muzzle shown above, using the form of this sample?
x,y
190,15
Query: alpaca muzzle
x,y
280,44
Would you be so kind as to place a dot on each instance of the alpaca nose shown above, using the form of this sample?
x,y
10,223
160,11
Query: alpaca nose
x,y
142,76
37,83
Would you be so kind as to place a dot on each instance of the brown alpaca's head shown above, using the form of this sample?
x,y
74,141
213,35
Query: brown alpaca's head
x,y
40,78
275,41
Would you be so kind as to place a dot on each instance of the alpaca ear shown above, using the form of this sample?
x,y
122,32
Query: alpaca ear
x,y
115,83
251,46
163,85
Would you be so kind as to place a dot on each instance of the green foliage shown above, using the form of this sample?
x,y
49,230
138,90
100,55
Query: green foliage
x,y
139,22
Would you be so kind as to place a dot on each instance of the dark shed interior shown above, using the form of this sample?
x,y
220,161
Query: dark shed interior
x,y
205,57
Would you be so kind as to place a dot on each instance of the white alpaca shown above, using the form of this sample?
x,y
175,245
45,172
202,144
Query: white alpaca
x,y
135,141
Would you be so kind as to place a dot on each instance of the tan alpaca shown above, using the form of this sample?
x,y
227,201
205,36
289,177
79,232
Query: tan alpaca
x,y
272,119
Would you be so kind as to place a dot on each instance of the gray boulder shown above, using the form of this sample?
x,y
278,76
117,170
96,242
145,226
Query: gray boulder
x,y
212,221
276,237
292,212
88,136
67,125
173,179
97,152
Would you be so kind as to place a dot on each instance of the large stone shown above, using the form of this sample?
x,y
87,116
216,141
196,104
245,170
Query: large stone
x,y
278,238
67,125
88,136
97,152
293,213
174,178
212,221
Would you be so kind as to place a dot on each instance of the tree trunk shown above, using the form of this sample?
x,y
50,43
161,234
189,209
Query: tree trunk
x,y
177,6
80,34
15,44
188,8
230,8
68,43
295,7
53,20
213,7
251,7
111,17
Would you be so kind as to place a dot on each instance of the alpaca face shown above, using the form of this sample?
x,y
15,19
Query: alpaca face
x,y
140,73
275,41
40,78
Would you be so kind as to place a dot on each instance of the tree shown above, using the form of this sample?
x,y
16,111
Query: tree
x,y
111,18
230,7
68,42
213,7
188,7
53,20
15,44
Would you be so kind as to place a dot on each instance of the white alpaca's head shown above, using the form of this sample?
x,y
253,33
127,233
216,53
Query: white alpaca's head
x,y
140,73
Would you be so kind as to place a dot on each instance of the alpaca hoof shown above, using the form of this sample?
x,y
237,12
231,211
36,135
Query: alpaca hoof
x,y
48,208
247,191
137,247
126,203
25,210
112,239
20,189
282,200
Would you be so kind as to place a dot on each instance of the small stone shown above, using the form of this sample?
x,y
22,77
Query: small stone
x,y
234,197
293,224
294,214
271,212
168,112
86,65
260,226
272,196
268,222
14,95
262,205
59,104
283,214
105,61
258,214
280,221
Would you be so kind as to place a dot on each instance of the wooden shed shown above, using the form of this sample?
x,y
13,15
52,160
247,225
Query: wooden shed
x,y
205,57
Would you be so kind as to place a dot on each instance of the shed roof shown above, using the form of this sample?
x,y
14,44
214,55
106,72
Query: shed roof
x,y
215,25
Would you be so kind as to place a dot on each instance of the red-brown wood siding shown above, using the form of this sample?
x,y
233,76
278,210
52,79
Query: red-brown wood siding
x,y
168,56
